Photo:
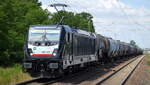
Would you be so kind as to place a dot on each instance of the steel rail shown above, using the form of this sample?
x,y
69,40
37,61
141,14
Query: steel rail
x,y
115,72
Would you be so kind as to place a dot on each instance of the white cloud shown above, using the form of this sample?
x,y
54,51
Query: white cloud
x,y
113,18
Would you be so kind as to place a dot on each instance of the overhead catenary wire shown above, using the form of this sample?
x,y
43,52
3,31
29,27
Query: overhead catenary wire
x,y
65,2
71,8
105,27
139,25
130,18
86,10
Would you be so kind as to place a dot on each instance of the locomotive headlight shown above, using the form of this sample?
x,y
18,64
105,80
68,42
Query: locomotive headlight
x,y
55,52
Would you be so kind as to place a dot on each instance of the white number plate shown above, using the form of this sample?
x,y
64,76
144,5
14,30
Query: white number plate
x,y
53,65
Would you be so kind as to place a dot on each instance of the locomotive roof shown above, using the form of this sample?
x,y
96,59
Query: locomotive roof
x,y
45,26
77,30
66,27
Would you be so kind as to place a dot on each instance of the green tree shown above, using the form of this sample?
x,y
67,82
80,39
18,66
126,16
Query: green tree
x,y
133,43
15,17
82,20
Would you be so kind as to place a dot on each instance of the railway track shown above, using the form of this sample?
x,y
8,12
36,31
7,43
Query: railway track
x,y
81,77
88,77
48,81
120,76
39,81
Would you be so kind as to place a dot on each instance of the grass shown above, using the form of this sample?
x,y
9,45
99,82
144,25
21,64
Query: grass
x,y
12,75
148,58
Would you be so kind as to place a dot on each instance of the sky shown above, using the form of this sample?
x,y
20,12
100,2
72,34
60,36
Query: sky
x,y
123,20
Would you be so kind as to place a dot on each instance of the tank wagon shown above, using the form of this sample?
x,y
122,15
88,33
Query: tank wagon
x,y
52,50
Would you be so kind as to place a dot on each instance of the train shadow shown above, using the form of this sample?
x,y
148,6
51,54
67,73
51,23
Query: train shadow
x,y
91,73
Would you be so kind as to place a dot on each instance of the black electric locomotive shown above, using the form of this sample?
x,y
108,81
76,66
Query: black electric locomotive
x,y
50,49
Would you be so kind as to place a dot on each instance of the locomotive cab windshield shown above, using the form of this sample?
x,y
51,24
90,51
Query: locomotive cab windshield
x,y
43,41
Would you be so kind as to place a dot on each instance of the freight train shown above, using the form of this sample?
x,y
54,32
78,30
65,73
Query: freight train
x,y
52,50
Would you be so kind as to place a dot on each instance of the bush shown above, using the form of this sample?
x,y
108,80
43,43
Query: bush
x,y
148,59
12,75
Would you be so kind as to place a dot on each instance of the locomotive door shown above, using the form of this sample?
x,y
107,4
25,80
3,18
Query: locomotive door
x,y
71,47
70,56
